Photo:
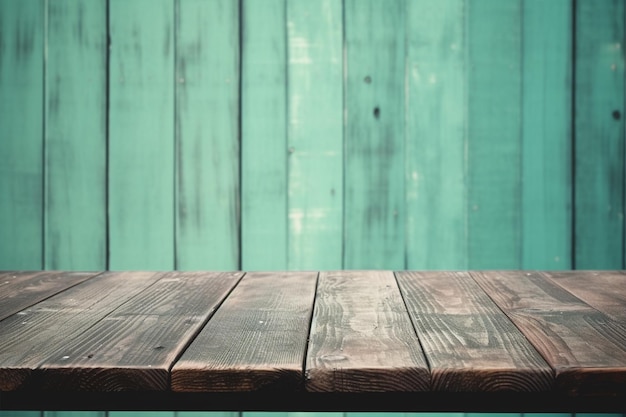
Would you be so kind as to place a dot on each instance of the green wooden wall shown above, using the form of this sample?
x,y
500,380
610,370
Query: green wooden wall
x,y
296,134
311,134
324,134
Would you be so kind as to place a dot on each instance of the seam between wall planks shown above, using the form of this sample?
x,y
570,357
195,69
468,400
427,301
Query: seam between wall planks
x,y
240,21
574,135
176,141
44,120
107,105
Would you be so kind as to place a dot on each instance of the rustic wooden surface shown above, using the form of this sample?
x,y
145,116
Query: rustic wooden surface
x,y
607,294
586,349
362,338
257,339
134,346
234,340
20,290
469,343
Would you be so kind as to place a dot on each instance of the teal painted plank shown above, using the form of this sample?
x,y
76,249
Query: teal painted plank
x,y
315,134
374,162
264,136
264,414
599,134
207,414
21,145
139,414
494,133
547,135
141,135
75,166
207,135
74,414
435,135
20,413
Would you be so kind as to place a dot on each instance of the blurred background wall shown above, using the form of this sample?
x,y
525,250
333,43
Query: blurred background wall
x,y
312,134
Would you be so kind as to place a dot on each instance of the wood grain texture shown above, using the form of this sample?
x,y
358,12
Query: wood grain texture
x,y
374,201
599,141
602,290
586,348
315,134
75,135
469,343
20,290
141,135
264,136
135,345
494,77
361,337
436,124
29,337
21,132
547,135
256,340
207,135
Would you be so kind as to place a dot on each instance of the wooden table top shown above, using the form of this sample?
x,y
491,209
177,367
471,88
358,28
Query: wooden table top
x,y
331,340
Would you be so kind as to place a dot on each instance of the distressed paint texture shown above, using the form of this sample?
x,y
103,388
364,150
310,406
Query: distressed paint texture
x,y
374,163
436,124
494,33
315,134
547,135
264,136
75,136
141,135
207,135
599,134
21,132
290,134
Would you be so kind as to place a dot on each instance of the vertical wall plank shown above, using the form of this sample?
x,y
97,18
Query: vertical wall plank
x,y
207,130
20,413
435,135
547,135
264,136
599,134
75,166
315,134
21,133
141,134
74,414
494,133
374,163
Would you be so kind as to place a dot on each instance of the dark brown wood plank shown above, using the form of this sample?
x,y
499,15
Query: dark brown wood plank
x,y
256,340
22,289
134,347
586,348
603,290
470,344
32,335
361,338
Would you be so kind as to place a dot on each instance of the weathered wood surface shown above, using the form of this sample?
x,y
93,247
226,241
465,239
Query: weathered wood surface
x,y
257,339
134,346
276,338
31,335
469,343
362,338
20,290
586,348
607,294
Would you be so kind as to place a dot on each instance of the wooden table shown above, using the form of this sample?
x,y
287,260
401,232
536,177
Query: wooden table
x,y
343,340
